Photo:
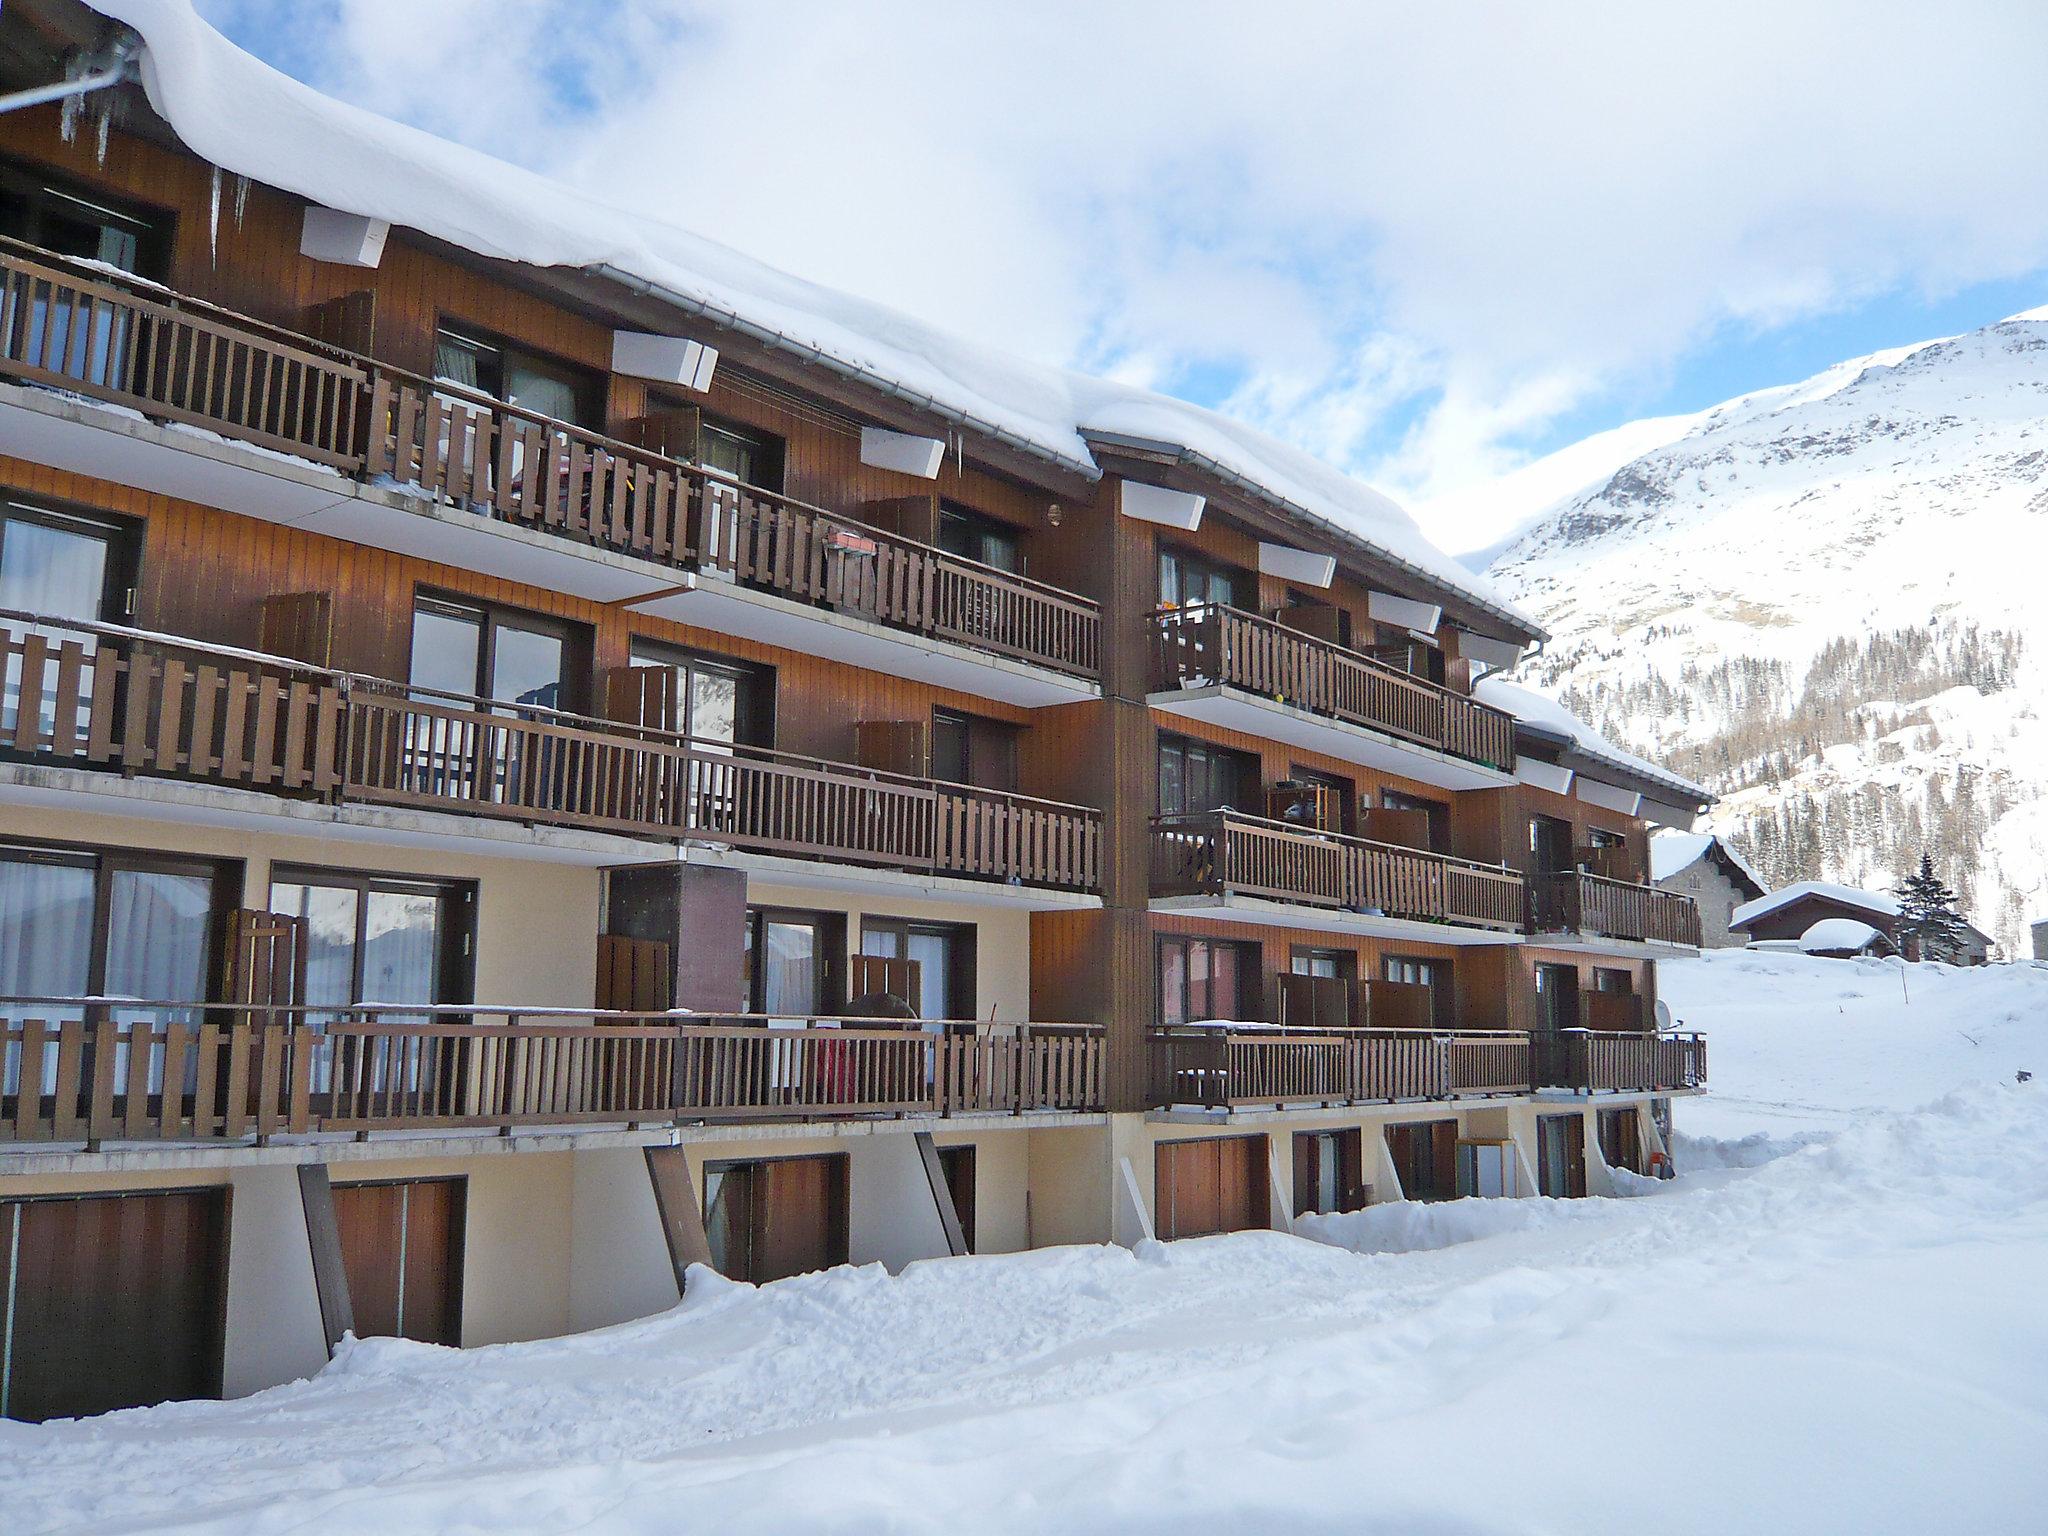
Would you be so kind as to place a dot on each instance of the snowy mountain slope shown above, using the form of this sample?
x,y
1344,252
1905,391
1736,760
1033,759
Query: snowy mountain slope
x,y
1827,601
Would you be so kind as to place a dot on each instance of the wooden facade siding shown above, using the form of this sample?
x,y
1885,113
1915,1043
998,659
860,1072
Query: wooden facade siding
x,y
99,697
1209,644
93,1070
226,372
1614,909
1224,853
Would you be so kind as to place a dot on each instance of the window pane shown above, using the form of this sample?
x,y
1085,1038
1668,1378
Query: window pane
x,y
714,704
330,916
459,361
543,390
887,943
1223,992
46,913
727,452
933,954
446,647
61,572
156,935
1173,792
949,747
526,667
401,947
790,977
1173,977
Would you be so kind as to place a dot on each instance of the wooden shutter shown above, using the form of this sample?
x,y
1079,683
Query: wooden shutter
x,y
1614,1012
1316,620
887,976
894,746
671,432
633,975
1404,829
1443,1158
913,517
643,695
348,322
299,625
266,958
1400,1005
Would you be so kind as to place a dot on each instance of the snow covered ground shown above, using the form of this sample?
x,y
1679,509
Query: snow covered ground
x,y
1846,1337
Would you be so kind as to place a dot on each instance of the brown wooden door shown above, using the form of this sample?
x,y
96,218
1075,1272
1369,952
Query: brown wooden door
x,y
776,1217
114,1301
1620,1141
1216,1184
1328,1171
1425,1157
401,1246
958,1166
1561,1156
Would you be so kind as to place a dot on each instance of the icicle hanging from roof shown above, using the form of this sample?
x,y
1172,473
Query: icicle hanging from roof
x,y
213,221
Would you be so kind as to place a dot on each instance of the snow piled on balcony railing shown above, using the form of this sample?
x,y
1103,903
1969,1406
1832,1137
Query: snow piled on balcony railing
x,y
242,115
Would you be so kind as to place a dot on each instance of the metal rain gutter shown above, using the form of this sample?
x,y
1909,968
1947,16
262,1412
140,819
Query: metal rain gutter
x,y
113,65
1208,466
780,341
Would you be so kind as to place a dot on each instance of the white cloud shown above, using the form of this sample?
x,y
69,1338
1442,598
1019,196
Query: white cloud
x,y
1407,236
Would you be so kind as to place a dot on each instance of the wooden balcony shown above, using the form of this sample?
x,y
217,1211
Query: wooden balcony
x,y
1630,1061
1209,644
1226,853
177,359
1238,1067
1593,905
100,697
80,1069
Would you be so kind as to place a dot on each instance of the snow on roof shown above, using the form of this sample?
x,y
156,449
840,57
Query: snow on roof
x,y
1847,895
1549,716
240,114
1673,852
1837,933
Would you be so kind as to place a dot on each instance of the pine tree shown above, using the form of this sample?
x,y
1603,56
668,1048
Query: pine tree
x,y
1927,912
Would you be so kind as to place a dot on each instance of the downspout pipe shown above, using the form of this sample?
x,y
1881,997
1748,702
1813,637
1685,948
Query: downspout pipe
x,y
112,65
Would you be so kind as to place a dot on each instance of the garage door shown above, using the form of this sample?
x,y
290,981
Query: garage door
x,y
776,1217
1216,1184
110,1301
401,1247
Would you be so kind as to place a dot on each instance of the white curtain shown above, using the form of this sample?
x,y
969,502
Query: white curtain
x,y
45,945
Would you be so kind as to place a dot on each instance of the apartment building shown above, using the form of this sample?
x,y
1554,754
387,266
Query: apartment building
x,y
536,752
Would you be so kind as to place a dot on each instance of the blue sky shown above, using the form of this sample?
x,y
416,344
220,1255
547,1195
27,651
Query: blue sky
x,y
1429,243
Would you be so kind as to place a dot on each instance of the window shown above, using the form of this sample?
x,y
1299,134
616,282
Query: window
x,y
1196,777
1433,974
65,566
1329,795
1617,982
505,371
74,220
474,650
974,536
791,969
1186,578
716,700
379,938
1341,963
968,749
1600,837
1204,979
750,457
1550,845
945,956
78,922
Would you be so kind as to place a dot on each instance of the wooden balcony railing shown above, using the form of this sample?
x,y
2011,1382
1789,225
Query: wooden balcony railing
x,y
1492,1062
1225,852
1637,1061
1208,643
167,357
1616,909
82,1069
99,696
1222,1066
118,339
